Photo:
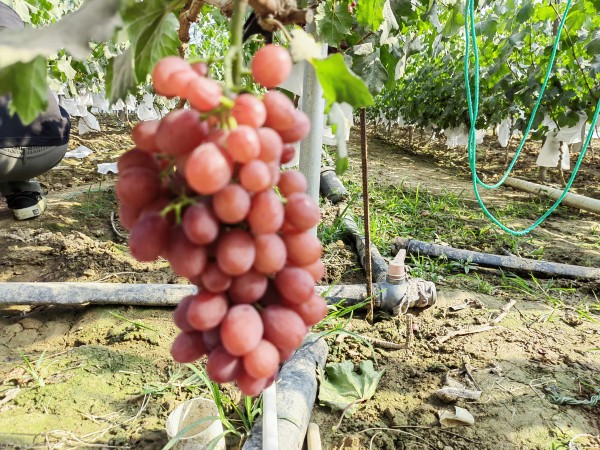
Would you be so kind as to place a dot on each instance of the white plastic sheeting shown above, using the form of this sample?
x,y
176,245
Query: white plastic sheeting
x,y
80,152
556,146
104,168
504,133
459,136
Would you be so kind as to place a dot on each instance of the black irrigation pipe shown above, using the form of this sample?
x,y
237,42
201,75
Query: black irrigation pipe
x,y
513,263
333,189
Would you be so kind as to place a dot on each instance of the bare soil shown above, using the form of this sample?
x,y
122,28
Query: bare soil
x,y
101,379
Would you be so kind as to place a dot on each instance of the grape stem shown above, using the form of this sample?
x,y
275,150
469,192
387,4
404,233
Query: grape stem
x,y
177,207
234,55
278,24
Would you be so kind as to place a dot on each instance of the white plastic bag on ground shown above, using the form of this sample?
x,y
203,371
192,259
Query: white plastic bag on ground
x,y
80,152
104,168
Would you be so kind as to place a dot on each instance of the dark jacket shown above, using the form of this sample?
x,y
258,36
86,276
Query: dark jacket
x,y
51,128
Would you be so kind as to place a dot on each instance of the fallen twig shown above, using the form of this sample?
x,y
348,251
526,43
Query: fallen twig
x,y
492,323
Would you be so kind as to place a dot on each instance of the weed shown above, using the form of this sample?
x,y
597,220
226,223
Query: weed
x,y
328,233
35,371
95,204
247,415
535,289
433,269
138,325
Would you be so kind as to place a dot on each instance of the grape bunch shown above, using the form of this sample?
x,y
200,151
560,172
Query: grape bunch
x,y
203,189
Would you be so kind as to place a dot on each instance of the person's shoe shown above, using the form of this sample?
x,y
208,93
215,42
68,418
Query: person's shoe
x,y
26,205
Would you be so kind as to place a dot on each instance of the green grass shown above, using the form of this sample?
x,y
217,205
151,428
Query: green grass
x,y
444,218
95,204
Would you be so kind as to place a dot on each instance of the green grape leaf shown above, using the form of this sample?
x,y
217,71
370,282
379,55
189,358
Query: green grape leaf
x,y
593,47
64,65
369,13
402,8
543,13
120,76
333,22
153,34
389,62
372,71
27,84
525,13
340,84
341,388
454,24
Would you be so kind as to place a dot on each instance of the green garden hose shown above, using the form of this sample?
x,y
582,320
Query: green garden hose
x,y
473,107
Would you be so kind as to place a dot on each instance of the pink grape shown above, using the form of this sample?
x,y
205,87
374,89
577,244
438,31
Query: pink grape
x,y
144,136
290,182
180,81
200,68
180,132
302,248
188,347
148,238
203,94
243,144
271,254
139,159
212,338
200,224
214,279
186,258
280,111
288,153
271,66
283,327
312,311
235,252
231,204
255,176
207,310
223,367
302,212
263,361
316,270
248,288
137,187
294,284
241,330
164,70
249,385
266,213
271,145
207,171
128,216
249,110
298,130
180,314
